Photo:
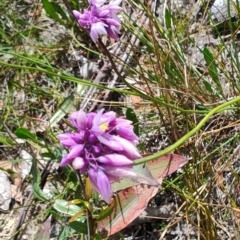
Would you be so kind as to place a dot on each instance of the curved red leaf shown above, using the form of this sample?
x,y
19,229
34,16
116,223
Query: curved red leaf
x,y
166,165
129,203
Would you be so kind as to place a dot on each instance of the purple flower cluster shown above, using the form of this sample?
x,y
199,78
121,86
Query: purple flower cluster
x,y
100,19
103,145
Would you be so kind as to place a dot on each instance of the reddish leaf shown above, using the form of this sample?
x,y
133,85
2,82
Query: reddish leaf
x,y
166,165
151,171
44,231
129,204
144,177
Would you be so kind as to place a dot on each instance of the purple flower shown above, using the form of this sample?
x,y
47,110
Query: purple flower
x,y
102,146
100,19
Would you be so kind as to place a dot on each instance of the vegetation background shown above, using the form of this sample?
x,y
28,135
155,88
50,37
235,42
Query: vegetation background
x,y
175,62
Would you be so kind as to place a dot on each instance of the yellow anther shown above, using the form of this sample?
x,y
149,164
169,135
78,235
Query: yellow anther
x,y
104,127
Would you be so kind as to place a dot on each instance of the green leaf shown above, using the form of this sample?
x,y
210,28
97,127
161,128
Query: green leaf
x,y
51,11
5,140
4,36
25,134
66,232
38,193
77,215
48,155
80,227
105,213
86,204
212,67
10,172
131,115
62,110
211,89
70,174
76,4
22,22
59,10
63,206
168,19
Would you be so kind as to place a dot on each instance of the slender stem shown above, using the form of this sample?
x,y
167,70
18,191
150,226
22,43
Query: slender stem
x,y
87,211
188,135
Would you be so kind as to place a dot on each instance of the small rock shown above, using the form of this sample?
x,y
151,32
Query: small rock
x,y
5,191
221,11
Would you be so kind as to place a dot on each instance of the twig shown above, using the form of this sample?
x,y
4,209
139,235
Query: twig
x,y
23,214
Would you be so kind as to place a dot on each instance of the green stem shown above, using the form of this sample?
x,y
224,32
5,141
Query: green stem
x,y
188,135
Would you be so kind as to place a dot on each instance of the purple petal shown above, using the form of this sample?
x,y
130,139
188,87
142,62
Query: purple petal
x,y
115,2
113,22
97,149
65,161
92,138
120,172
77,14
114,9
97,130
90,116
129,149
98,3
92,173
119,122
78,163
96,120
123,121
66,139
84,168
79,119
104,186
104,13
111,143
101,122
85,19
108,117
75,151
113,32
101,183
97,29
78,137
115,17
115,160
94,12
127,133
